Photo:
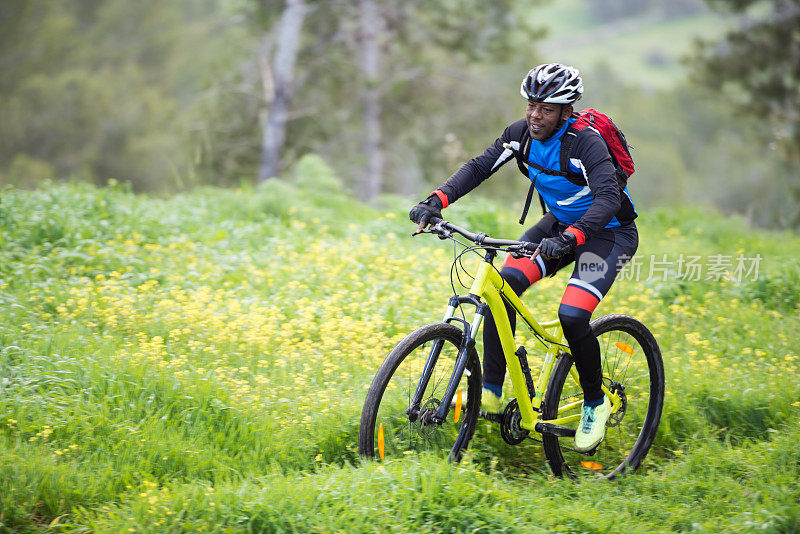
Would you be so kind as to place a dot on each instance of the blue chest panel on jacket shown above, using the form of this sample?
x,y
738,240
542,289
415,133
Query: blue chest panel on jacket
x,y
567,201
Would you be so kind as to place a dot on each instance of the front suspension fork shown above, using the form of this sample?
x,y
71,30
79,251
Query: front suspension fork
x,y
467,344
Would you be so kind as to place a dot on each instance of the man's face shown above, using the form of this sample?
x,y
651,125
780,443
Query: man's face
x,y
544,119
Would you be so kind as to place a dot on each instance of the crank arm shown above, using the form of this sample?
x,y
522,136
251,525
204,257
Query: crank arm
x,y
555,430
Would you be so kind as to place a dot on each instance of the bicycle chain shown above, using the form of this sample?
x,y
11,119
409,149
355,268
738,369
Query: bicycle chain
x,y
570,396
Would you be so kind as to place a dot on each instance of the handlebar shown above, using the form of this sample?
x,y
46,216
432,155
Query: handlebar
x,y
443,228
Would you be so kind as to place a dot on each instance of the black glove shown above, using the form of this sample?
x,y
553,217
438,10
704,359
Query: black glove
x,y
555,247
422,212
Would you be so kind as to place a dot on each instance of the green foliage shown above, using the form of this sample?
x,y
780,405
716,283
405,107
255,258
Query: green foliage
x,y
199,362
312,173
777,290
756,67
170,96
109,90
27,172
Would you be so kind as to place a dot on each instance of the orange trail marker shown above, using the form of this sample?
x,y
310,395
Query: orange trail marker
x,y
624,347
458,406
380,440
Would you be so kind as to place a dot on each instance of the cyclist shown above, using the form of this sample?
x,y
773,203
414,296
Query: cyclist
x,y
590,223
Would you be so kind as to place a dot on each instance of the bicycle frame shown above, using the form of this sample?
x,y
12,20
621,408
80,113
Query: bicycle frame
x,y
490,286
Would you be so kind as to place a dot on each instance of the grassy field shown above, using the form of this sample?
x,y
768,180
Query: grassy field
x,y
198,364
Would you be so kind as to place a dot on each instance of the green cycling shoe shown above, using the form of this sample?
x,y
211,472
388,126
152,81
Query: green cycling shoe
x,y
491,403
592,427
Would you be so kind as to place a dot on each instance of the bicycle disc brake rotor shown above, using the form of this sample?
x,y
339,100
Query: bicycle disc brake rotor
x,y
424,424
511,427
616,418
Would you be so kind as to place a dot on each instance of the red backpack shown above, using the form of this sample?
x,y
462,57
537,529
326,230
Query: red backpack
x,y
613,136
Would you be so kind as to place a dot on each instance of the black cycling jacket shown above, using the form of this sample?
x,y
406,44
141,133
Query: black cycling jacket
x,y
602,200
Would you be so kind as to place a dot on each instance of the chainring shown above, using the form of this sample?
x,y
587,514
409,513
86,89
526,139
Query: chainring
x,y
511,426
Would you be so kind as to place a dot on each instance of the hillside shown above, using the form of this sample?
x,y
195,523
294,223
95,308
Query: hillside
x,y
199,362
644,50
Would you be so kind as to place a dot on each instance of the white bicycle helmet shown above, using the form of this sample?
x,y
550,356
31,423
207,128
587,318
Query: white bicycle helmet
x,y
553,83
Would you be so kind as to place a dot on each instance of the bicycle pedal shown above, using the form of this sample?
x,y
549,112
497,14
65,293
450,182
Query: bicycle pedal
x,y
592,452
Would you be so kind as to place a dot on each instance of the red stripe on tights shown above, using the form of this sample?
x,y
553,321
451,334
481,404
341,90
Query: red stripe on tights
x,y
579,298
528,267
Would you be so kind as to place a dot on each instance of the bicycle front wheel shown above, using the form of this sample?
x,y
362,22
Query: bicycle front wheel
x,y
633,370
391,426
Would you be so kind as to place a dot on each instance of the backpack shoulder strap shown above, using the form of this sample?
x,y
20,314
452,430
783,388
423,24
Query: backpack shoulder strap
x,y
522,156
568,143
523,153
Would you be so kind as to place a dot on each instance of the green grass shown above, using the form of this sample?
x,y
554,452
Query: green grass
x,y
198,364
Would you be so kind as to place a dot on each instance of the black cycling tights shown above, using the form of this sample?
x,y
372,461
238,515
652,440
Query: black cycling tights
x,y
597,263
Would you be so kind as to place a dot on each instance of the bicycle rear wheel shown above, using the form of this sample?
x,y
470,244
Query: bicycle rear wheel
x,y
632,368
388,429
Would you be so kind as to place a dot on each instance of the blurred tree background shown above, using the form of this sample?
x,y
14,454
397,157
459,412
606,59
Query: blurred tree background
x,y
395,95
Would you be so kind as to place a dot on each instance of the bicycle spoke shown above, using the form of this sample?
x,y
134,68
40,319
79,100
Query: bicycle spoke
x,y
627,372
392,394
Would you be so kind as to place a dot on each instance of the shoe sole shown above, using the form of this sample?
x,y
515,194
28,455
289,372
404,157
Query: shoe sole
x,y
593,446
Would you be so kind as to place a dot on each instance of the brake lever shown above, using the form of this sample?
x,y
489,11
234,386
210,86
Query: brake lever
x,y
522,251
517,252
441,233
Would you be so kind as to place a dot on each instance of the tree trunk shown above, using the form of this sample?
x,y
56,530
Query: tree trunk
x,y
371,23
274,129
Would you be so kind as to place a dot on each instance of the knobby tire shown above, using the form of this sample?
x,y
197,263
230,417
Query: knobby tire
x,y
390,393
629,439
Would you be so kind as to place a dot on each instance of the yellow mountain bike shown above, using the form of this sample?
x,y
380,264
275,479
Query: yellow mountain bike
x,y
427,393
